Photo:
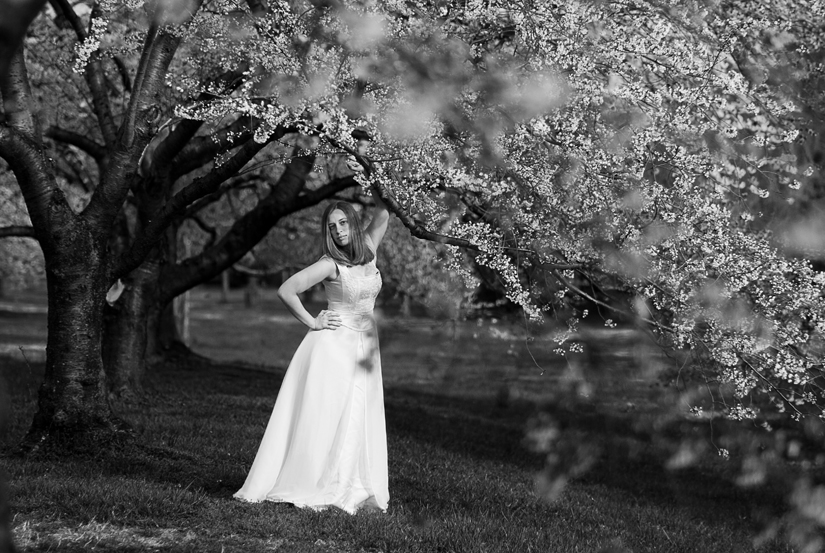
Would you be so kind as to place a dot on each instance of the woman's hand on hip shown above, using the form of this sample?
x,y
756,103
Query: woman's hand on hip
x,y
327,320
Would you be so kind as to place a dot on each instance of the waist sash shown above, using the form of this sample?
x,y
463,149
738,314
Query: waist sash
x,y
355,321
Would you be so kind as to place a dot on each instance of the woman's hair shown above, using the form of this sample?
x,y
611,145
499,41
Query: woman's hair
x,y
356,251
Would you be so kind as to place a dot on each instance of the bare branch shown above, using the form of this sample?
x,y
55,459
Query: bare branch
x,y
172,138
124,73
265,272
17,98
18,231
147,56
200,187
17,15
327,191
64,8
97,151
32,172
244,234
133,136
203,149
210,230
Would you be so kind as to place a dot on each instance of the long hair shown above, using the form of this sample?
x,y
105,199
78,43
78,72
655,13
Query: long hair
x,y
356,251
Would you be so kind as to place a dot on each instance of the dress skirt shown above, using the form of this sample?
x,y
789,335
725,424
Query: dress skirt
x,y
326,443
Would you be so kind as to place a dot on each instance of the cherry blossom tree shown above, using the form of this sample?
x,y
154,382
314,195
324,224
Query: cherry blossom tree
x,y
629,146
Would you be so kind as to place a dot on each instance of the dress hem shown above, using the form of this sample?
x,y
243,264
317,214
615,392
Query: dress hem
x,y
317,508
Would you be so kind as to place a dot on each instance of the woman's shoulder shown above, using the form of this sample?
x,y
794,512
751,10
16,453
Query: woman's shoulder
x,y
331,263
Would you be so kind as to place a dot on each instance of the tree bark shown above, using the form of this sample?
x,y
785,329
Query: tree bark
x,y
126,333
73,408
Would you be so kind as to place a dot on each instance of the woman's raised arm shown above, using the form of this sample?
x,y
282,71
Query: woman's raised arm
x,y
380,219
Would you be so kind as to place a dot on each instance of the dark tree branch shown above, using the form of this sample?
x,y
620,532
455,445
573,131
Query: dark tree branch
x,y
17,98
203,149
133,136
17,16
33,174
148,57
88,145
200,187
19,231
159,154
210,230
65,8
257,7
265,272
244,234
327,191
123,71
237,183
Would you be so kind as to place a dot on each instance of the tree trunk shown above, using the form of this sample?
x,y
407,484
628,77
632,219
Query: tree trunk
x,y
166,331
251,292
180,310
225,286
126,332
73,409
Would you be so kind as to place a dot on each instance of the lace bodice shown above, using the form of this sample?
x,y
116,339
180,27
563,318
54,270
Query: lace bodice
x,y
355,289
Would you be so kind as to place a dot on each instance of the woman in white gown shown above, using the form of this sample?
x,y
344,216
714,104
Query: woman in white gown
x,y
326,443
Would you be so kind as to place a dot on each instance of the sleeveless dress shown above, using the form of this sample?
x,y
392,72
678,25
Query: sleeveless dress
x,y
326,442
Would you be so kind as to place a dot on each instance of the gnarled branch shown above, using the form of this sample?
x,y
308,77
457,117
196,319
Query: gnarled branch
x,y
200,187
244,234
203,149
32,172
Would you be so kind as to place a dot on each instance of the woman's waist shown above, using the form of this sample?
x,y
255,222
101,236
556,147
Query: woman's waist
x,y
356,320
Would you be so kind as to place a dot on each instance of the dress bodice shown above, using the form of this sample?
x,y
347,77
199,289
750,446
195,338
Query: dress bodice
x,y
355,289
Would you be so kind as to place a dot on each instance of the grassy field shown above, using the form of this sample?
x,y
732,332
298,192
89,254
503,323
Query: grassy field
x,y
459,400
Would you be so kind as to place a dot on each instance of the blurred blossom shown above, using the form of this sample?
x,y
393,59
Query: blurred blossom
x,y
687,455
363,31
542,432
805,237
413,119
173,12
809,500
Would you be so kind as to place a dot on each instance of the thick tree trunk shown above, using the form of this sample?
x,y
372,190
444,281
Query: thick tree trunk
x,y
251,292
166,335
73,409
225,286
125,345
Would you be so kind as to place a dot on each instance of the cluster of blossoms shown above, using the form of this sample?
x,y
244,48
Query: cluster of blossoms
x,y
626,144
85,49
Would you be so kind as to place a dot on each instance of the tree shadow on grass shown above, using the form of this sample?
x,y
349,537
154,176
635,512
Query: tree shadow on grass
x,y
630,461
630,458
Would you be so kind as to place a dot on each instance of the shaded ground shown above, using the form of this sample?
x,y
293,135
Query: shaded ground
x,y
461,477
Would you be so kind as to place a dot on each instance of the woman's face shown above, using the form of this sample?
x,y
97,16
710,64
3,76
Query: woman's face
x,y
338,226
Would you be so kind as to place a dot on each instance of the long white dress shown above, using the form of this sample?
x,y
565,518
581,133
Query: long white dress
x,y
326,442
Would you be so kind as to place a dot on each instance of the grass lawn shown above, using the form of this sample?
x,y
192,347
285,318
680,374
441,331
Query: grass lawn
x,y
458,403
